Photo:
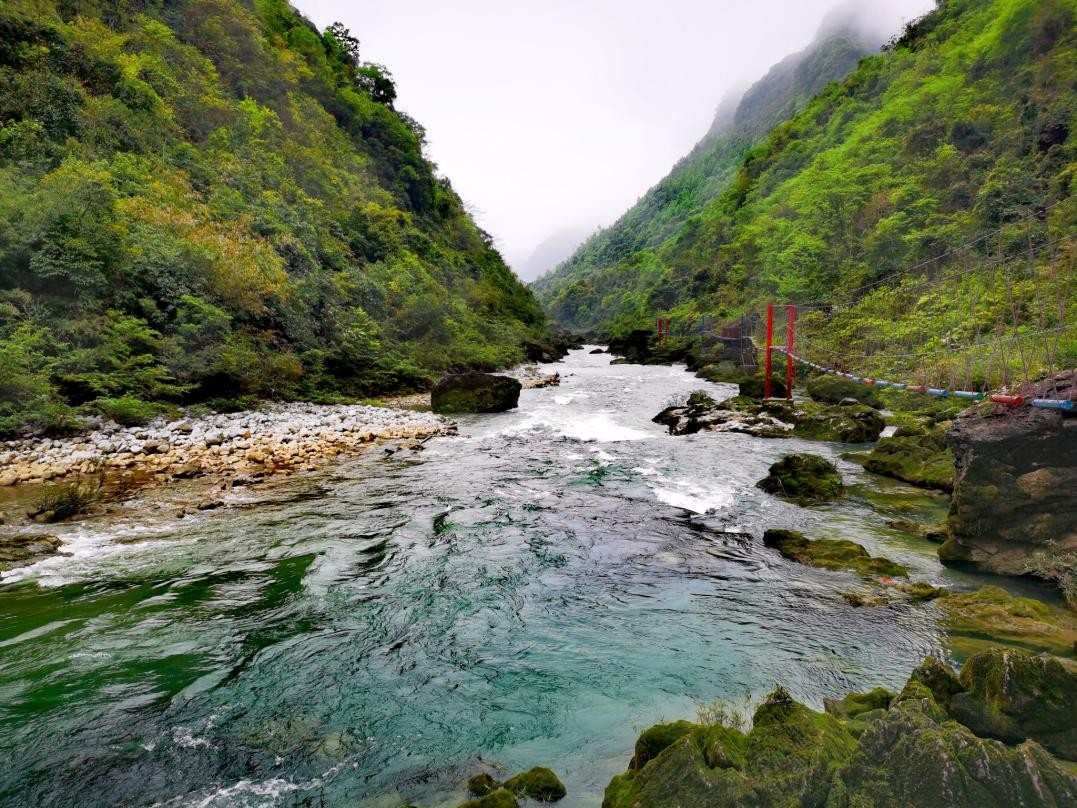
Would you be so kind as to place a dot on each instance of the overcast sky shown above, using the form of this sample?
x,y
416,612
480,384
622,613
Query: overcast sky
x,y
552,115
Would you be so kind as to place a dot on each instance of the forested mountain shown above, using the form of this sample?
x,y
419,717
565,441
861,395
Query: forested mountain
x,y
212,200
962,125
742,120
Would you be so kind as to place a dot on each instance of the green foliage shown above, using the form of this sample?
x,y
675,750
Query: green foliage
x,y
212,200
965,124
127,410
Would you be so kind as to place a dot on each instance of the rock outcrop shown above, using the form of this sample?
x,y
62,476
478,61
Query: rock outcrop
x,y
776,419
475,392
1015,489
877,748
923,460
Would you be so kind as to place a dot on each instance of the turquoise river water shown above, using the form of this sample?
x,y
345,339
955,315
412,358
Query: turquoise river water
x,y
534,592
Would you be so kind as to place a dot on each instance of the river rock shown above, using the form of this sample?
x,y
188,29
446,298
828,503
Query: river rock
x,y
1015,487
475,392
23,549
831,554
923,460
803,479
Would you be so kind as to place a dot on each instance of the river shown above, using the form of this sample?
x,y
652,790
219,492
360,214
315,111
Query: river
x,y
536,591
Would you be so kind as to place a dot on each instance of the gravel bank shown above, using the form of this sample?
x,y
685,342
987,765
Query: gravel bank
x,y
292,437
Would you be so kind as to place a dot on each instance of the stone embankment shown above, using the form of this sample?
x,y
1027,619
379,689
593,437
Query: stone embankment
x,y
282,437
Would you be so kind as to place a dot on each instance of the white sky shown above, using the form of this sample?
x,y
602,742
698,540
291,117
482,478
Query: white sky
x,y
556,114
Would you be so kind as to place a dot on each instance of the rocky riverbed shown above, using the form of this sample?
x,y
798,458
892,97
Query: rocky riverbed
x,y
275,438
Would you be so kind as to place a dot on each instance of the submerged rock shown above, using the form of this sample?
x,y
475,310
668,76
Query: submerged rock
x,y
992,615
475,392
831,554
1014,490
868,749
23,549
804,479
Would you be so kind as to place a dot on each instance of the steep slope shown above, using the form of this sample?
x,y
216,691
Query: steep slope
x,y
211,200
963,126
741,121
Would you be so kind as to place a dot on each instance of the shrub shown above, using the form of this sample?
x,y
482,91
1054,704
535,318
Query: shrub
x,y
127,410
64,501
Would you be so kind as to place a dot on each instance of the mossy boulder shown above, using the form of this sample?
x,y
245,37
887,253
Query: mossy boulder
x,y
1014,695
539,784
804,479
843,424
652,741
482,784
835,389
869,749
991,616
831,554
475,392
500,798
913,756
753,387
923,460
855,704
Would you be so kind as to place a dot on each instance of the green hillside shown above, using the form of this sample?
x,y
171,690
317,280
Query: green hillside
x,y
963,126
212,200
740,122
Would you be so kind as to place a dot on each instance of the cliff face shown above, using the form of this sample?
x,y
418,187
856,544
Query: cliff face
x,y
1015,483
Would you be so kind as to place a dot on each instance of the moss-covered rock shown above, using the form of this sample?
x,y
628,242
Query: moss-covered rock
x,y
856,703
804,479
992,616
868,750
924,460
539,784
753,387
831,554
912,755
1013,696
652,741
475,392
842,424
482,784
835,389
501,798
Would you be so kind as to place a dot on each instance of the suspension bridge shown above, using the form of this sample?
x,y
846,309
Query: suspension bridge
x,y
992,318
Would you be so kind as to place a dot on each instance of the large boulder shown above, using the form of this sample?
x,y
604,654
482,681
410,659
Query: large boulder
x,y
835,389
1013,696
754,386
803,479
475,392
855,423
1015,483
